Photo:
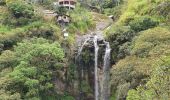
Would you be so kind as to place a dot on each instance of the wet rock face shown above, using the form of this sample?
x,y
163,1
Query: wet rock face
x,y
85,61
92,67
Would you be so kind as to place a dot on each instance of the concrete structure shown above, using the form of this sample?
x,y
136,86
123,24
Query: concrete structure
x,y
70,4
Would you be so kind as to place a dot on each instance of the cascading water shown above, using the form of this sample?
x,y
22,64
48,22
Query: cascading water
x,y
106,73
101,86
96,68
81,48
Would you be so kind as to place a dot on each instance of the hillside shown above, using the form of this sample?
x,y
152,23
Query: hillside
x,y
32,55
140,42
109,50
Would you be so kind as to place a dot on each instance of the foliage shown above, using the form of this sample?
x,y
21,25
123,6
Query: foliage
x,y
61,10
2,2
17,13
136,8
142,23
152,42
116,12
125,77
30,55
120,38
21,9
36,29
8,59
158,85
4,29
146,50
111,3
36,62
79,23
142,50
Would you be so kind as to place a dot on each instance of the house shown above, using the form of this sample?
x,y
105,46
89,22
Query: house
x,y
70,4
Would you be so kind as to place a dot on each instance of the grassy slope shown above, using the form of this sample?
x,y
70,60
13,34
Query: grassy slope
x,y
150,45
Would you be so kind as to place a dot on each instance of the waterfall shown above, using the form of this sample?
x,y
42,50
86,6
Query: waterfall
x,y
101,86
106,73
96,68
81,48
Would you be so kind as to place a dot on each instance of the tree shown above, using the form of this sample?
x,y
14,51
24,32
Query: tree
x,y
37,63
157,87
21,9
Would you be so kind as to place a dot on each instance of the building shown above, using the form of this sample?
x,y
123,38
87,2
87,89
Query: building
x,y
70,4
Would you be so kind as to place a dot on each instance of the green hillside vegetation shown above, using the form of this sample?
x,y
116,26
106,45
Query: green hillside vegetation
x,y
28,71
140,43
36,60
31,50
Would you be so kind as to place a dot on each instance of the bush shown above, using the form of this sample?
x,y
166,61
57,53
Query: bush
x,y
116,11
158,85
13,22
21,9
162,11
80,24
142,23
36,65
120,38
125,77
36,29
151,42
2,2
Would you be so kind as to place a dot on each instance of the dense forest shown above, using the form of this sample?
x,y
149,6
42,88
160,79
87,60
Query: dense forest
x,y
101,50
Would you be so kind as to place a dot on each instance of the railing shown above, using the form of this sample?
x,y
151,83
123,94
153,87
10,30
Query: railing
x,y
68,5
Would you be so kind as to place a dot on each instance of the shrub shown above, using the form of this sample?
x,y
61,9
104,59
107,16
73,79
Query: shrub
x,y
116,11
36,64
61,10
142,23
21,9
162,11
2,2
81,24
125,77
36,29
120,38
151,42
158,85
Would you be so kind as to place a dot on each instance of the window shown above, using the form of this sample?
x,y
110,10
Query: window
x,y
61,3
66,2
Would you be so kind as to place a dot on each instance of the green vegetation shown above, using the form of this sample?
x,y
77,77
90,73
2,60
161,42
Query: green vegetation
x,y
81,24
32,55
31,76
140,43
21,9
37,61
157,87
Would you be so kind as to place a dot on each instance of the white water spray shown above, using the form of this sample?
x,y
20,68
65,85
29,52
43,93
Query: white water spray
x,y
96,68
106,73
